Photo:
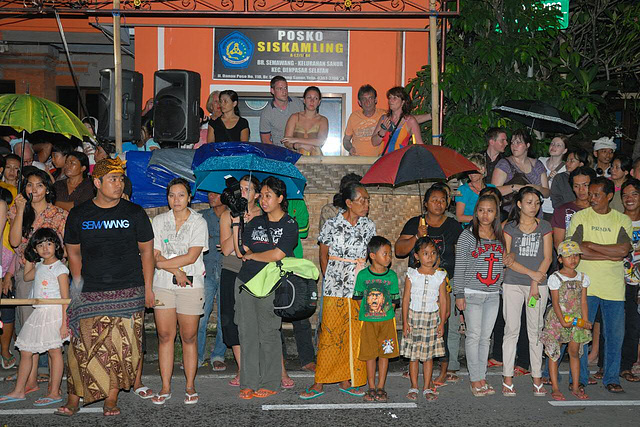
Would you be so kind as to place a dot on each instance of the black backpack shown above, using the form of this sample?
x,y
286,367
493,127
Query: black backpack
x,y
295,298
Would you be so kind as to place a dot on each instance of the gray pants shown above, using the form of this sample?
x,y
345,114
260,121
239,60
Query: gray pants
x,y
260,345
22,291
453,338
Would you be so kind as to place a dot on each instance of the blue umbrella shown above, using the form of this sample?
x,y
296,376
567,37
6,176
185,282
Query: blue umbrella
x,y
211,173
269,151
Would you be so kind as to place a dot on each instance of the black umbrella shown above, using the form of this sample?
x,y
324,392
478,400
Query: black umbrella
x,y
538,115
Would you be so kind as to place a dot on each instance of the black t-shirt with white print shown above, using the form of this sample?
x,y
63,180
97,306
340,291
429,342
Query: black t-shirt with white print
x,y
284,235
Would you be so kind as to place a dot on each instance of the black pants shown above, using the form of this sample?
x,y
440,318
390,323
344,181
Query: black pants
x,y
522,349
631,329
227,307
304,341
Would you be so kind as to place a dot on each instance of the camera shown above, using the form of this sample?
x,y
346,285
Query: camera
x,y
232,197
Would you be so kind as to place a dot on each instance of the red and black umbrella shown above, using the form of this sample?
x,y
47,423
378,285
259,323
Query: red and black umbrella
x,y
415,163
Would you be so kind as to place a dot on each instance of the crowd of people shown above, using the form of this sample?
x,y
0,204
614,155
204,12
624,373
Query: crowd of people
x,y
540,256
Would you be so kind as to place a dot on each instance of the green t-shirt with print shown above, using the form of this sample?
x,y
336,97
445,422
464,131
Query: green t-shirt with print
x,y
378,293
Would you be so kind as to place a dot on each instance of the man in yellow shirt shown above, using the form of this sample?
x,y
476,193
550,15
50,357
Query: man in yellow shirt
x,y
604,236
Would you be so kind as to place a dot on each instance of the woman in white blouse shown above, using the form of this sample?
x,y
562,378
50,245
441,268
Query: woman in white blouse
x,y
180,237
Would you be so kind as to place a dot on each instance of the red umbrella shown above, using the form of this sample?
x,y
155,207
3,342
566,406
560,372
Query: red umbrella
x,y
418,162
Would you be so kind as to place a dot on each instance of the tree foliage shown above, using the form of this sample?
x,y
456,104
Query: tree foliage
x,y
499,50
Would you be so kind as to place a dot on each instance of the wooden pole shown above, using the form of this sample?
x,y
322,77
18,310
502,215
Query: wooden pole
x,y
34,301
118,75
435,93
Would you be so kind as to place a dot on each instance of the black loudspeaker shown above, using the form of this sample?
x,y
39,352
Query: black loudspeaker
x,y
175,107
131,105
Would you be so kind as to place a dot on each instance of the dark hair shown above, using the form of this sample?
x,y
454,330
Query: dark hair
x,y
275,80
424,242
91,121
514,215
128,187
582,170
314,88
29,214
179,181
492,133
625,161
6,195
364,89
234,98
444,187
581,154
375,244
42,235
348,192
526,136
279,188
631,181
253,180
11,156
61,147
398,91
607,185
3,162
636,163
344,181
492,191
497,225
84,161
147,124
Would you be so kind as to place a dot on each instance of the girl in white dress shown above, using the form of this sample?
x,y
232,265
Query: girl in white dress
x,y
46,328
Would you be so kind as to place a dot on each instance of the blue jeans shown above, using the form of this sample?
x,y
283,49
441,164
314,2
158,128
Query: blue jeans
x,y
211,292
613,330
480,316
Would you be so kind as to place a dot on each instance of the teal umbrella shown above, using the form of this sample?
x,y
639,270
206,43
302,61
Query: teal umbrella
x,y
210,174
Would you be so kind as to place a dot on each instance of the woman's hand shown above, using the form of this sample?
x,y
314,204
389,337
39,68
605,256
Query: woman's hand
x,y
64,330
406,329
20,202
508,259
386,123
537,277
182,279
440,330
248,256
422,229
149,299
587,325
461,304
533,291
7,284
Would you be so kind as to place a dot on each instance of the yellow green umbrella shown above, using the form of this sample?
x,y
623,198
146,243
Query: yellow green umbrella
x,y
31,113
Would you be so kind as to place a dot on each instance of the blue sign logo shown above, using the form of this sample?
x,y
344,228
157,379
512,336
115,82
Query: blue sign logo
x,y
236,50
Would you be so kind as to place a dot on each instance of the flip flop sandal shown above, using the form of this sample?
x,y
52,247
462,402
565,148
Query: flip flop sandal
x,y
263,392
452,378
430,394
44,401
313,394
489,390
141,392
246,394
381,395
287,383
439,383
191,398
412,394
539,390
492,364
235,382
510,390
31,390
160,399
478,391
7,399
580,395
580,386
11,377
43,378
352,391
557,395
370,395
598,375
615,388
518,371
546,381
629,376
8,362
67,411
405,374
110,411
218,366
591,381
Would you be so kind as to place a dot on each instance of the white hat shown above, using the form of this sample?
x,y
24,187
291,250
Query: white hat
x,y
604,142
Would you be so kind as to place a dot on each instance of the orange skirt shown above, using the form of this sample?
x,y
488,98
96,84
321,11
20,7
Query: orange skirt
x,y
339,343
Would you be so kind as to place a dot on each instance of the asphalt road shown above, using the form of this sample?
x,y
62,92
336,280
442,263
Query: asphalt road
x,y
220,406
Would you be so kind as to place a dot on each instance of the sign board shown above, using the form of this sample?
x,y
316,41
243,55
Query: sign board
x,y
298,55
563,6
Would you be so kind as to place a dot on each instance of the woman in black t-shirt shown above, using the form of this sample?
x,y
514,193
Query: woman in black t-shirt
x,y
229,127
444,231
258,326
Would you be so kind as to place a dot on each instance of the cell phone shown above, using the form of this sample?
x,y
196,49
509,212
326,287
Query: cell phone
x,y
189,278
532,302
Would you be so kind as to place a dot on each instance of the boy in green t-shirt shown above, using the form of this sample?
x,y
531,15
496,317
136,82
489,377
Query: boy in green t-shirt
x,y
377,287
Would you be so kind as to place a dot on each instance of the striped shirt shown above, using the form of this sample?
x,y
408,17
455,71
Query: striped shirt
x,y
478,267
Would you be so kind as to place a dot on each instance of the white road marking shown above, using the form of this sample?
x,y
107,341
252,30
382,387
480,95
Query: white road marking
x,y
339,406
48,411
595,403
